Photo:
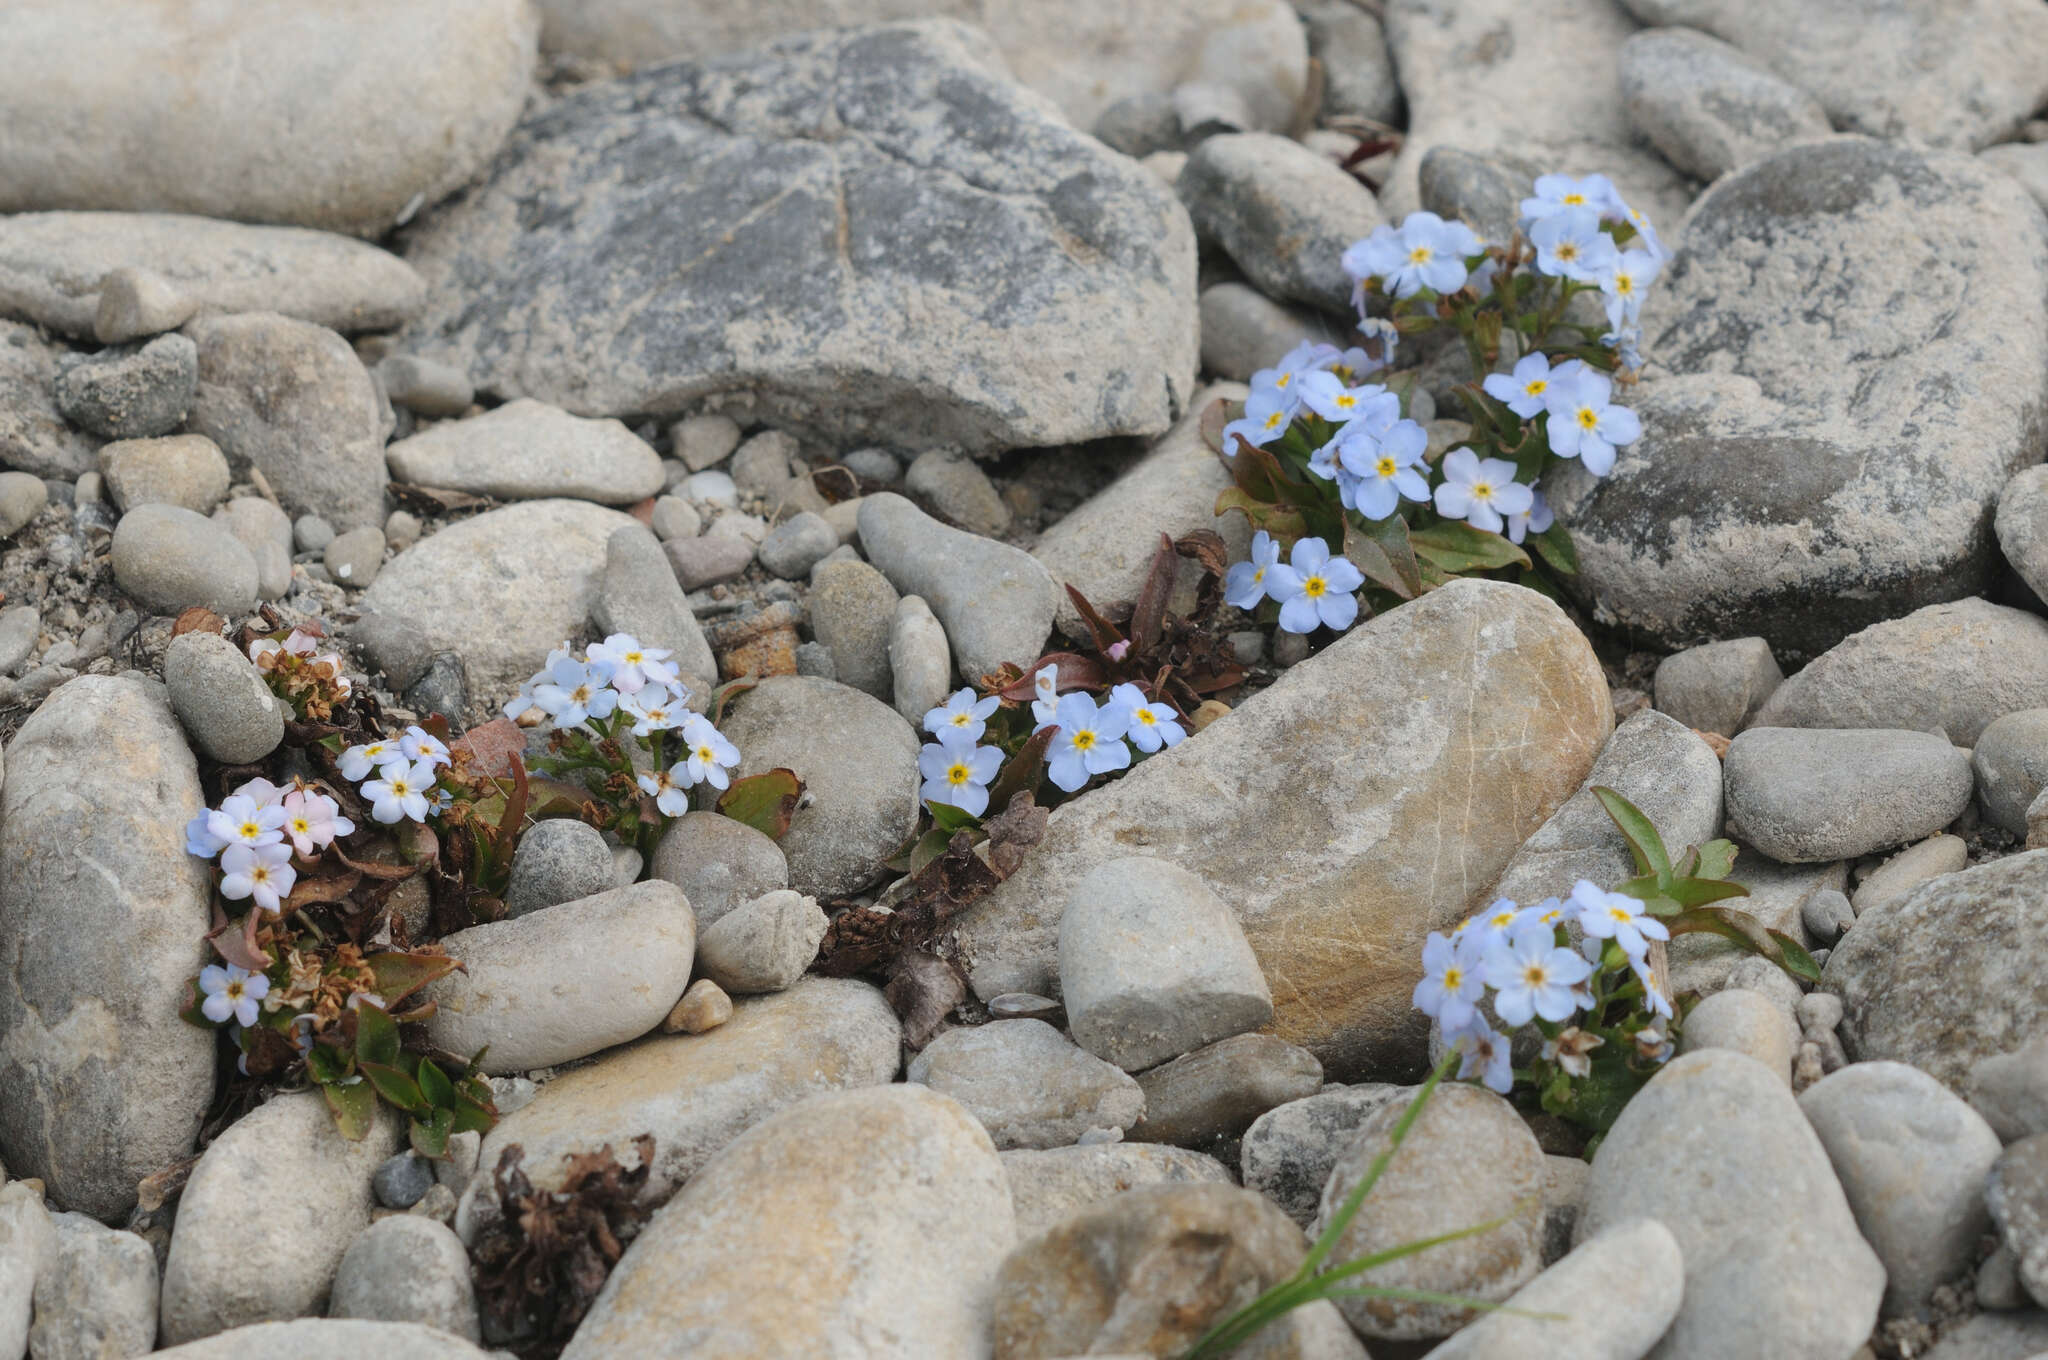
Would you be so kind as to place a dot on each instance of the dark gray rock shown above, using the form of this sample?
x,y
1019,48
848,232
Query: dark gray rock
x,y
1282,212
131,393
1841,411
34,436
1709,108
401,1180
443,688
757,225
1358,71
1140,124
1718,687
1288,1151
558,860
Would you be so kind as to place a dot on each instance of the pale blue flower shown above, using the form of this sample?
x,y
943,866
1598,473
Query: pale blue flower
x,y
1386,469
1426,252
1266,417
627,666
1625,285
1314,588
1148,726
1533,975
241,821
1480,491
1452,984
1525,390
400,792
957,772
575,693
1244,585
1571,245
1483,1054
1616,916
1045,701
709,754
1325,393
1089,742
962,715
1586,424
1534,520
1559,194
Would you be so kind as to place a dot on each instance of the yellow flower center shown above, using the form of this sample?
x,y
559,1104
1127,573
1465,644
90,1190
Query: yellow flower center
x,y
400,787
1536,387
957,774
1535,975
1588,417
259,873
233,991
1083,739
1454,977
1258,575
1315,587
1624,285
1283,380
1567,252
1343,371
635,658
250,831
1482,491
1618,914
301,825
581,694
1420,255
1384,467
1273,421
1345,400
706,754
1144,715
1574,200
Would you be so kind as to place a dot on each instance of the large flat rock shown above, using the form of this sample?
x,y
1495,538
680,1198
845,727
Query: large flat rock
x,y
871,234
1371,795
1849,358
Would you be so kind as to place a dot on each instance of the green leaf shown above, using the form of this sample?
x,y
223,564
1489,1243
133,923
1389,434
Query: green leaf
x,y
1457,547
949,819
1716,859
354,1106
434,1084
726,693
1640,833
327,1064
1398,571
929,847
1278,520
1697,892
429,1137
1554,546
764,801
474,1116
394,1086
1751,934
376,1037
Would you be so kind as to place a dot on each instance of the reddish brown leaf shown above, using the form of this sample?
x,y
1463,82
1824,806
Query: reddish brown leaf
x,y
1076,672
1106,635
1207,547
333,888
1149,614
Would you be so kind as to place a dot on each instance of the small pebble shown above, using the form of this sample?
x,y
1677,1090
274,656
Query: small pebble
x,y
707,560
558,860
704,1006
701,441
402,530
815,659
400,1181
442,688
354,558
22,498
424,386
675,517
1290,649
794,546
711,488
1027,1006
135,303
874,465
1826,915
764,463
312,533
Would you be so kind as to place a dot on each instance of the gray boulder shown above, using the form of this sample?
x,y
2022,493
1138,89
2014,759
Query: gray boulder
x,y
1808,795
1709,108
34,436
858,761
1283,213
56,269
254,122
1951,668
695,230
1716,1149
1954,973
996,602
127,393
291,400
1940,72
105,1083
1817,496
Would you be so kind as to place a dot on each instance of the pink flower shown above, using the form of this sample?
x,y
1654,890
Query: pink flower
x,y
312,821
